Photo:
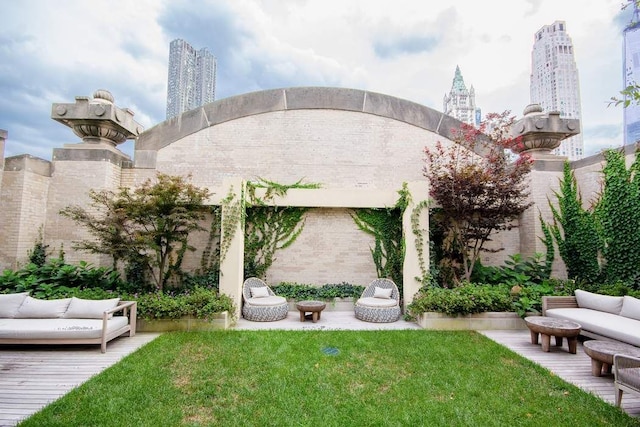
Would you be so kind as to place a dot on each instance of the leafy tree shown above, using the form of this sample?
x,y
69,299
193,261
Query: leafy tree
x,y
478,195
148,226
575,231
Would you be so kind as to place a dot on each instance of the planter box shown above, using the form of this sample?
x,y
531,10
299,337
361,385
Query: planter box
x,y
218,321
474,322
338,304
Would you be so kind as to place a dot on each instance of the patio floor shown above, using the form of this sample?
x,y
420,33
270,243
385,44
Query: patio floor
x,y
33,376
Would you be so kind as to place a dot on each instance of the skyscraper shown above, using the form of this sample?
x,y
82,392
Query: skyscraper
x,y
631,75
554,81
192,78
460,102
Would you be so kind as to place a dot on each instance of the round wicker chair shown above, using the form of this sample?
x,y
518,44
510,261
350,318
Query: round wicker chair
x,y
379,303
260,303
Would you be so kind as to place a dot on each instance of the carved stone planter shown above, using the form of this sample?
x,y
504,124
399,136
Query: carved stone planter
x,y
473,322
218,321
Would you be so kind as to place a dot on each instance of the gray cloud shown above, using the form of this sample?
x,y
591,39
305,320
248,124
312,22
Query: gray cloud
x,y
410,45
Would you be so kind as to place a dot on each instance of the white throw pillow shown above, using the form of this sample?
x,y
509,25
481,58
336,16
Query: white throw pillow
x,y
10,303
260,292
89,309
382,293
630,307
598,302
33,308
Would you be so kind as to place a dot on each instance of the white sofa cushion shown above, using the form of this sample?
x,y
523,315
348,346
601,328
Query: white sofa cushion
x,y
10,303
630,307
89,309
33,308
57,328
599,322
377,302
269,301
598,302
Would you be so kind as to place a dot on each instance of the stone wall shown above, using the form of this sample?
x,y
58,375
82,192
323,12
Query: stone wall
x,y
345,140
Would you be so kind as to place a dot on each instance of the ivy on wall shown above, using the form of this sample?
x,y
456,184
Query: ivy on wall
x,y
601,244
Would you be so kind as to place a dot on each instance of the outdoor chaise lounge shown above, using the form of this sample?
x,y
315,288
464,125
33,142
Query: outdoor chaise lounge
x,y
260,303
626,370
379,303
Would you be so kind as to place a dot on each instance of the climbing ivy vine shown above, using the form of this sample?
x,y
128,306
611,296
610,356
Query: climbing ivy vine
x,y
601,244
270,228
575,230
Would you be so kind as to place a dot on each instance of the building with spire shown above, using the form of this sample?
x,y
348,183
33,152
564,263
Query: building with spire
x,y
554,81
460,102
191,78
631,75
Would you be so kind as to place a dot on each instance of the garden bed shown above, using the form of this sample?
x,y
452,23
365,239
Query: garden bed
x,y
474,322
187,323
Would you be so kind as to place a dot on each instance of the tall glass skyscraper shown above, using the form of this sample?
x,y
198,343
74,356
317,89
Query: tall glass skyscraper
x,y
631,75
192,78
554,81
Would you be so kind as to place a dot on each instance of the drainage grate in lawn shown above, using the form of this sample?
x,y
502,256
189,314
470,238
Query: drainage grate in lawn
x,y
330,351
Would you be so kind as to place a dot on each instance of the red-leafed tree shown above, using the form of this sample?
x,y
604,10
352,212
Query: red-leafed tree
x,y
480,187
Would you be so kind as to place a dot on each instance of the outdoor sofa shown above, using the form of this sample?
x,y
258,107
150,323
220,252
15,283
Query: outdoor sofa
x,y
600,316
27,320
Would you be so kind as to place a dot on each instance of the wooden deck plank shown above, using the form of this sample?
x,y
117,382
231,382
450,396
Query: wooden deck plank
x,y
573,368
31,377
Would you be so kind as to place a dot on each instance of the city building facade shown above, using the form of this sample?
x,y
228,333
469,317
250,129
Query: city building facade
x,y
631,75
460,102
554,81
191,79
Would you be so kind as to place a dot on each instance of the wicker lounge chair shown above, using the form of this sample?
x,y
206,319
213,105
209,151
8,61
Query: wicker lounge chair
x,y
626,370
260,303
379,303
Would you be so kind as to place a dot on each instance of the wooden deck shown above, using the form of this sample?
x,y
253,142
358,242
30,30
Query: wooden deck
x,y
33,376
573,368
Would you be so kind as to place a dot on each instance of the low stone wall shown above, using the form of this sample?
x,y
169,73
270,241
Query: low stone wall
x,y
474,322
188,323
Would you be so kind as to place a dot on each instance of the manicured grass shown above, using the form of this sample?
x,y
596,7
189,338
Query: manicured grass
x,y
328,378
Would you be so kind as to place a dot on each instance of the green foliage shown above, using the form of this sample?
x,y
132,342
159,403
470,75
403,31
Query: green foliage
x,y
600,244
465,299
618,213
149,225
38,255
268,229
55,276
300,292
200,303
385,225
478,195
575,231
515,271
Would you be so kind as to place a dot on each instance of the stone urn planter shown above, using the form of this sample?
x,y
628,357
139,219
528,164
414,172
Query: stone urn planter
x,y
187,323
473,322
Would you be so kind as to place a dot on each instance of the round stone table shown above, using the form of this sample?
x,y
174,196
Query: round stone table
x,y
559,328
313,307
601,353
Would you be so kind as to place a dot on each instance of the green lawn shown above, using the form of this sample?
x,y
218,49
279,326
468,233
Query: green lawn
x,y
327,378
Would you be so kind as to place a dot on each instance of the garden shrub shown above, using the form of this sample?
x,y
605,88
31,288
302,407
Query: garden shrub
x,y
299,292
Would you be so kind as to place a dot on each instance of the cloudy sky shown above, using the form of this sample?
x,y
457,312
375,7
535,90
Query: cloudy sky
x,y
53,51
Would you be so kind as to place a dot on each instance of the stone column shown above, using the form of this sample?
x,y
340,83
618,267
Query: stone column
x,y
416,257
232,242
